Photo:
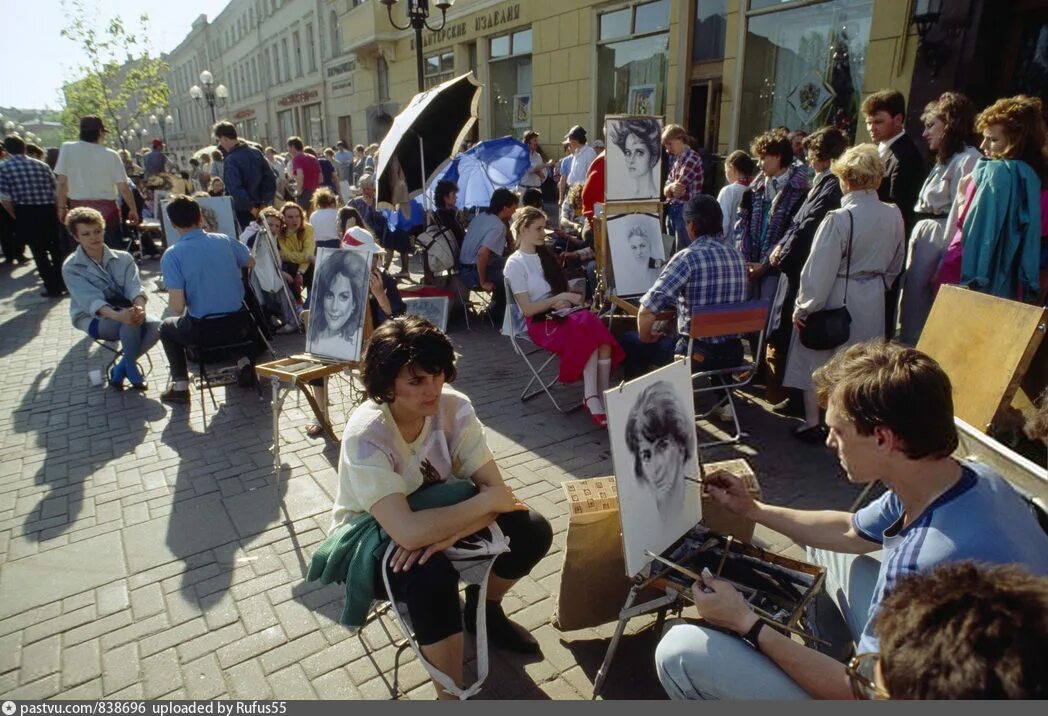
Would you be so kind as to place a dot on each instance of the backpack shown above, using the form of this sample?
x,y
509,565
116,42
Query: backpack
x,y
440,247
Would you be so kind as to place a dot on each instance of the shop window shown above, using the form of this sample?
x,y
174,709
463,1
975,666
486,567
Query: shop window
x,y
510,81
438,68
804,67
632,60
711,24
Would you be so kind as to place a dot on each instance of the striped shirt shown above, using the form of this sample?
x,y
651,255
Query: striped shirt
x,y
27,181
980,518
707,273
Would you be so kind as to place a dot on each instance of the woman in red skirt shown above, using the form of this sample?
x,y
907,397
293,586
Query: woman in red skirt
x,y
585,346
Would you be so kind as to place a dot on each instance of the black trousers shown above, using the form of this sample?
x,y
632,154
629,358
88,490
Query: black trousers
x,y
12,246
37,226
431,589
179,332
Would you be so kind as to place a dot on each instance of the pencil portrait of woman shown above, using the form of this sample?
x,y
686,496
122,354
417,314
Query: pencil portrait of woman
x,y
661,438
634,155
637,253
337,319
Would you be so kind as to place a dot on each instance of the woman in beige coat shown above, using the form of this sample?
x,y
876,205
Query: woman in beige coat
x,y
877,245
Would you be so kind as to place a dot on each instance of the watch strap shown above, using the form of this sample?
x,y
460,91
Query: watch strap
x,y
752,636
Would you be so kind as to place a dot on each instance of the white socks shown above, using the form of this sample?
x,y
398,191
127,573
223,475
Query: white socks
x,y
603,375
180,384
590,381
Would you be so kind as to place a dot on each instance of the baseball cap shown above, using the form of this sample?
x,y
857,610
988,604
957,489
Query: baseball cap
x,y
577,133
706,212
157,144
91,123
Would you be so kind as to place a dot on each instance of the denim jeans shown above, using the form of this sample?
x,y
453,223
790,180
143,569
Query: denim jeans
x,y
134,340
698,662
676,225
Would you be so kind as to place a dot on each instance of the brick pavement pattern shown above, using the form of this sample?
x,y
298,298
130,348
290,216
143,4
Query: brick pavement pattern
x,y
144,556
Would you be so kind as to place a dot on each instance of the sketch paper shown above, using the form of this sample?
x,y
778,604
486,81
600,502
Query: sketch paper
x,y
651,422
633,156
433,308
339,301
216,212
637,252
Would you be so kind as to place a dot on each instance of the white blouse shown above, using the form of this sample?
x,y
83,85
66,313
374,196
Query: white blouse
x,y
523,272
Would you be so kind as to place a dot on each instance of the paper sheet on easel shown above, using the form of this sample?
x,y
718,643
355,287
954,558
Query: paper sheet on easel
x,y
651,421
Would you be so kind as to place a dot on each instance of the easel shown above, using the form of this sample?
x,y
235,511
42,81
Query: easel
x,y
602,254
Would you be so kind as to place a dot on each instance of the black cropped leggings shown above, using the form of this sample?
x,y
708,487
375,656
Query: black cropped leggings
x,y
431,589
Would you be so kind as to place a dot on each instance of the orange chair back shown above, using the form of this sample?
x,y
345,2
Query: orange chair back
x,y
727,319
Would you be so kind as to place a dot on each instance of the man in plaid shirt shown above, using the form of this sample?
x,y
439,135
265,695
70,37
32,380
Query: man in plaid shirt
x,y
708,272
683,181
28,190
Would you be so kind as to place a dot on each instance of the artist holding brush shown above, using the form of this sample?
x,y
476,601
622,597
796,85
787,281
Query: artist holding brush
x,y
936,510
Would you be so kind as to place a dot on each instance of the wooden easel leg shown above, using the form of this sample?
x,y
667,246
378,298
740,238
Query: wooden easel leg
x,y
275,383
602,673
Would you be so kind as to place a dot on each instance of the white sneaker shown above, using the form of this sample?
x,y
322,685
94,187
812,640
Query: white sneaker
x,y
725,413
287,328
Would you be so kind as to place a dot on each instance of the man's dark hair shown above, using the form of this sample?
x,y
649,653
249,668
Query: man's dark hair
x,y
532,197
14,144
705,213
887,100
502,199
225,130
295,143
405,341
90,135
340,144
965,631
880,384
183,211
443,189
776,143
194,163
657,414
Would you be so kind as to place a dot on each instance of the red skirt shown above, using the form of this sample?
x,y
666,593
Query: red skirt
x,y
574,339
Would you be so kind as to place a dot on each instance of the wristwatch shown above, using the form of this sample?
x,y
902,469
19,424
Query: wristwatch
x,y
753,635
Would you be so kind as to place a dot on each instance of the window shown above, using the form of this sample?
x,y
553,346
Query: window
x,y
804,67
711,24
243,80
277,77
265,77
254,76
336,34
633,59
310,49
382,72
510,81
438,68
296,41
287,61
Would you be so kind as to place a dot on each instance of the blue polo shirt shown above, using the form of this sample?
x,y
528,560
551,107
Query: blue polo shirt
x,y
207,267
981,518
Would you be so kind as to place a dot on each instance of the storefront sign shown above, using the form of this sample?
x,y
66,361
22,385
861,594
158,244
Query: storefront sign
x,y
342,68
478,24
298,97
244,114
343,86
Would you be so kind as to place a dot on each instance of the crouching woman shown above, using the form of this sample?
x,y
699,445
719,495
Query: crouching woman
x,y
413,433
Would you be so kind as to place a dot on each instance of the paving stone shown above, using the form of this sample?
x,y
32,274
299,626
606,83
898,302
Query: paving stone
x,y
203,678
172,637
44,688
292,652
256,613
291,683
248,681
59,624
161,674
39,658
120,668
333,657
209,642
137,630
336,685
90,691
147,601
251,646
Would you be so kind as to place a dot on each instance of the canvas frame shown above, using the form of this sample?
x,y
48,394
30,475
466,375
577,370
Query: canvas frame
x,y
434,309
349,345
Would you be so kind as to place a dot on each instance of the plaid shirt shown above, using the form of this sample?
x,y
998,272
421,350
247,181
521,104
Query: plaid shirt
x,y
27,181
707,273
686,169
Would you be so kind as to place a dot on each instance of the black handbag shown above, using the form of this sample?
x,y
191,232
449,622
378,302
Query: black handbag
x,y
825,330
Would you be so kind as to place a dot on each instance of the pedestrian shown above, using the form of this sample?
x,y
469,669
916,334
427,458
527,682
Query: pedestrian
x,y
155,162
328,171
683,181
248,177
583,155
343,159
536,173
28,190
739,169
90,174
14,250
217,164
305,170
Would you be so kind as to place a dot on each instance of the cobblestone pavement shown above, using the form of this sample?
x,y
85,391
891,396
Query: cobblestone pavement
x,y
145,555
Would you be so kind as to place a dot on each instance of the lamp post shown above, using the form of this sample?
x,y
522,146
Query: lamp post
x,y
9,127
168,123
211,94
417,14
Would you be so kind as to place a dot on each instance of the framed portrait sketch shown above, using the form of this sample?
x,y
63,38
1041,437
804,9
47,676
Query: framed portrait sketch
x,y
633,157
641,99
216,212
521,111
433,308
336,317
637,252
651,421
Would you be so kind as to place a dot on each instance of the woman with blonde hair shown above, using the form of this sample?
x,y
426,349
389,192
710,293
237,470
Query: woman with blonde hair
x,y
1004,206
585,346
323,217
855,256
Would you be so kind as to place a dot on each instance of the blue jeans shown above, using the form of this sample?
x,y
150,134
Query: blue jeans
x,y
697,662
676,226
134,340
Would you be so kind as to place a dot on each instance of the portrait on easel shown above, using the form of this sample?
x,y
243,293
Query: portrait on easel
x,y
651,422
637,252
338,303
633,157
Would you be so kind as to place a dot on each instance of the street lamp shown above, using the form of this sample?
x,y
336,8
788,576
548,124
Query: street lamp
x,y
9,127
169,123
214,96
417,14
142,137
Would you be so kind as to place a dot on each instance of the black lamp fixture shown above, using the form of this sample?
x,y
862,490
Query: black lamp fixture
x,y
926,16
417,15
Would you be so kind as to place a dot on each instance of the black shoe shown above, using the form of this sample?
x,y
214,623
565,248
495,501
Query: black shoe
x,y
171,395
502,632
246,378
788,407
21,259
813,434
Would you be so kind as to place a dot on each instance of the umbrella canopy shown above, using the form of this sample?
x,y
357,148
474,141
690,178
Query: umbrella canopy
x,y
424,136
495,164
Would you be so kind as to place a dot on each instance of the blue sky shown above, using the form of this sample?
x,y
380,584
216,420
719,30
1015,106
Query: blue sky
x,y
37,60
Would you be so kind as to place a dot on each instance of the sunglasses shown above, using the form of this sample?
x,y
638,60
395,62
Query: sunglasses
x,y
861,672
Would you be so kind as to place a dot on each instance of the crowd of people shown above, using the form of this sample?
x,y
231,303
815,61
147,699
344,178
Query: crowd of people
x,y
805,222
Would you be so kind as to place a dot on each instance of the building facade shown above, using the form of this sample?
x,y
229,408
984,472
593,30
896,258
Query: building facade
x,y
726,69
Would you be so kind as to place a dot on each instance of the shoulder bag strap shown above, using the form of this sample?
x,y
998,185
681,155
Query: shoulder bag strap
x,y
847,271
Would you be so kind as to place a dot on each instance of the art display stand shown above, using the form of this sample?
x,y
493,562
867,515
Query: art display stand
x,y
609,299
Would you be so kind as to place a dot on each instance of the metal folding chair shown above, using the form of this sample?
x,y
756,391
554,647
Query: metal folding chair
x,y
518,336
728,319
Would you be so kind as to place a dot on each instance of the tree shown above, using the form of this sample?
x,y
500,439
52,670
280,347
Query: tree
x,y
118,79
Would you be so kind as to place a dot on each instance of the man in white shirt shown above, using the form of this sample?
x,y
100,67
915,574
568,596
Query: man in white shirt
x,y
583,155
90,174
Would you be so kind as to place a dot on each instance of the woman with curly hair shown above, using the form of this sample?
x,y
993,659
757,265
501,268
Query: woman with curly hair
x,y
949,129
997,244
639,142
341,287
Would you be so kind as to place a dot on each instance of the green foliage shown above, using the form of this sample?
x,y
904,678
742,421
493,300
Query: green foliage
x,y
117,80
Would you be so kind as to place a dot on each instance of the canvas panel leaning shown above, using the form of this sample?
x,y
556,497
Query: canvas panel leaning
x,y
216,213
433,308
339,303
637,252
633,157
651,421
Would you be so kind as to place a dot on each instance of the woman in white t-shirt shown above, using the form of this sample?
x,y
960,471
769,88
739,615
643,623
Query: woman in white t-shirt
x,y
739,169
585,346
323,218
413,432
